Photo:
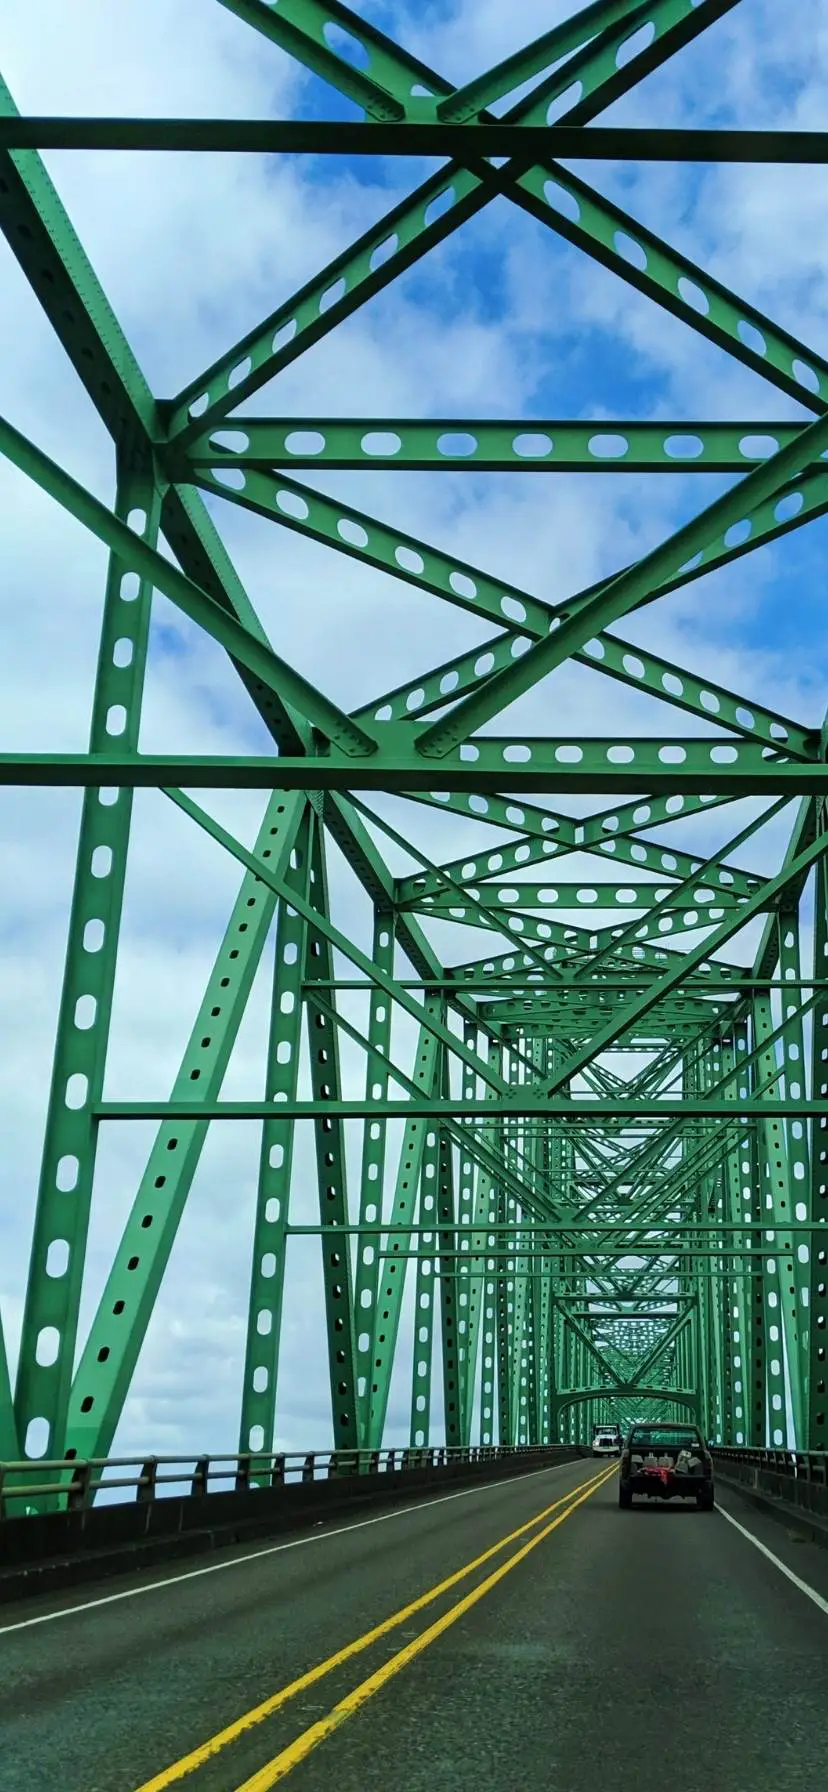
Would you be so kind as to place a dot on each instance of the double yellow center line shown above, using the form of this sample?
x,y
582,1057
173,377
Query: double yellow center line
x,y
298,1750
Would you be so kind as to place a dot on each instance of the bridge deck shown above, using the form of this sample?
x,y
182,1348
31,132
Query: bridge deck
x,y
663,1634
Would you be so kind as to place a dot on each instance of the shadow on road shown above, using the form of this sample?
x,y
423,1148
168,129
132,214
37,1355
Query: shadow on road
x,y
665,1508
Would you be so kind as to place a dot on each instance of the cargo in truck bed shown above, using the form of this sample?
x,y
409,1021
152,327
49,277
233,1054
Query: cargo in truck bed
x,y
666,1462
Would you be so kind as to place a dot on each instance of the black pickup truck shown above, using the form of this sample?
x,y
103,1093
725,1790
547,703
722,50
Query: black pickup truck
x,y
666,1462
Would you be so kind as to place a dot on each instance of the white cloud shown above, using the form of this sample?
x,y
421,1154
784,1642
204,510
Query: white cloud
x,y
192,251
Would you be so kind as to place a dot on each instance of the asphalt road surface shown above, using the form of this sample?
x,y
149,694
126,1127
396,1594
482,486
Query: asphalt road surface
x,y
594,1649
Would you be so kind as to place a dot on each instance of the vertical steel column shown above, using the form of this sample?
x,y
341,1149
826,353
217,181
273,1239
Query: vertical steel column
x,y
740,1294
478,1308
374,1139
735,1292
504,1384
745,1186
50,1315
424,1294
555,1375
516,1285
489,1409
504,1297
462,1264
699,1360
525,1310
447,1245
541,1263
267,1270
785,1276
798,1154
491,1416
118,1330
707,1367
383,1325
817,1430
519,1322
9,1446
714,1284
331,1167
761,1312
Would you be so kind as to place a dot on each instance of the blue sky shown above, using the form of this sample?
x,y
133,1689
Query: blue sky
x,y
503,320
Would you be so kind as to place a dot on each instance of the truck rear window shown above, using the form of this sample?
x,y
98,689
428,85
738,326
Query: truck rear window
x,y
668,1436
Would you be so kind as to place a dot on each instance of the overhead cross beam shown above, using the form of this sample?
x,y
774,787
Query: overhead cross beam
x,y
531,143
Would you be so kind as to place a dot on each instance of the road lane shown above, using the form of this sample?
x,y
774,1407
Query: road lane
x,y
660,1637
117,1692
655,1644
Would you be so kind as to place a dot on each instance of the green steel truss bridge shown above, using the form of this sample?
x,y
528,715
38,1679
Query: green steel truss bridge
x,y
594,1181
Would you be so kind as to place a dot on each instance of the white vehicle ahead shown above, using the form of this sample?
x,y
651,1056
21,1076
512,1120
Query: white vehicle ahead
x,y
606,1440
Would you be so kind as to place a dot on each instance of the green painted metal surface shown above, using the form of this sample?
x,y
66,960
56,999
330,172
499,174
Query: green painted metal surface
x,y
592,1164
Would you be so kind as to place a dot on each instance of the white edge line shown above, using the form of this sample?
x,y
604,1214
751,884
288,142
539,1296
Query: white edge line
x,y
273,1549
810,1592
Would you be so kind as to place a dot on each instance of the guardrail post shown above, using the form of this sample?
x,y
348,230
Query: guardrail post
x,y
343,1462
2,1495
309,1466
243,1474
200,1475
78,1491
277,1473
146,1489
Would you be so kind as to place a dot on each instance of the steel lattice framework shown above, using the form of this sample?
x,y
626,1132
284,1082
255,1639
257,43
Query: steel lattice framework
x,y
579,1237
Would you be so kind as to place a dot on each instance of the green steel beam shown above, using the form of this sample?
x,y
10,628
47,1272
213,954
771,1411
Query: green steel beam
x,y
671,767
372,1177
327,932
9,1443
366,539
41,237
642,1004
422,1353
107,1362
413,228
610,1151
64,1197
331,1156
817,1331
533,849
504,1107
466,445
270,1230
447,1242
271,136
320,35
417,1170
552,46
579,896
127,541
731,512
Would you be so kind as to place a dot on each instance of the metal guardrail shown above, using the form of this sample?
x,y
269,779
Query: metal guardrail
x,y
798,1465
786,1478
78,1482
